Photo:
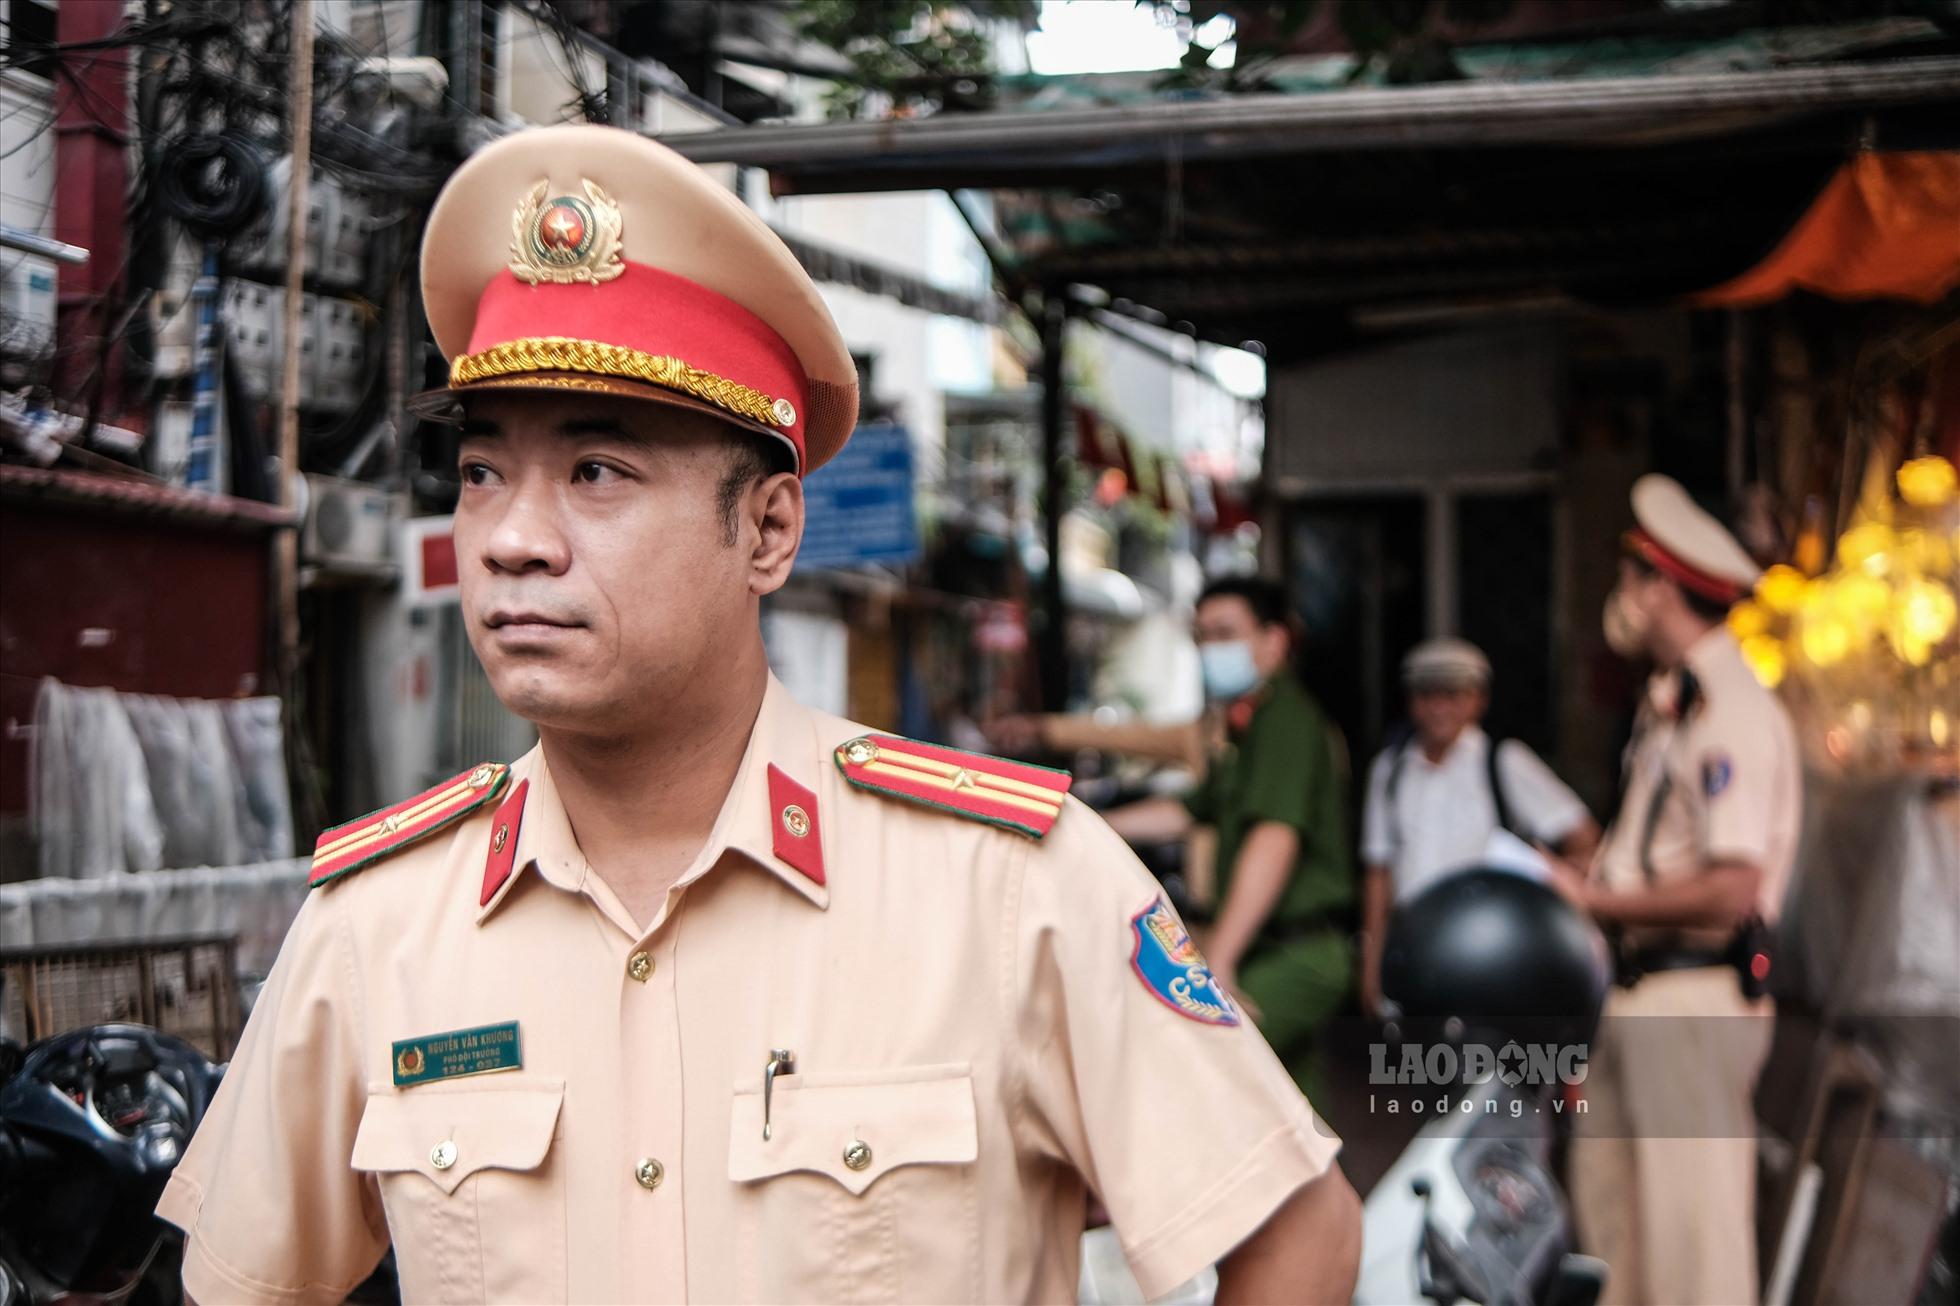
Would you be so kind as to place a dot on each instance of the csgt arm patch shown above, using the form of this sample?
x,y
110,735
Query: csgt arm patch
x,y
1172,968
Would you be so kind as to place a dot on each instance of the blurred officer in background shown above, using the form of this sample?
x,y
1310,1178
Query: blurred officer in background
x,y
1436,798
1276,793
1664,1162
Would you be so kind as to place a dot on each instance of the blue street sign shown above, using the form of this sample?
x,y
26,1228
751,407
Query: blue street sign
x,y
858,506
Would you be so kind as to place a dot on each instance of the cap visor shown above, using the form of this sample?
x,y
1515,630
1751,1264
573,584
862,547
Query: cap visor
x,y
447,403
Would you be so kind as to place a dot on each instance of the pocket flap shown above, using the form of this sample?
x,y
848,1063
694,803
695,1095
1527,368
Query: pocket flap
x,y
467,1129
854,1128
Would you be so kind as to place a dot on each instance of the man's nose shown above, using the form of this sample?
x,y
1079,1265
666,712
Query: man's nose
x,y
528,536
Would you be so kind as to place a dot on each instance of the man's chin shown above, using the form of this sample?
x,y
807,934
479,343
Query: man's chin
x,y
552,701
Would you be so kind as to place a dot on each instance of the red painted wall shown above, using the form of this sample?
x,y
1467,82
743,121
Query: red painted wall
x,y
145,604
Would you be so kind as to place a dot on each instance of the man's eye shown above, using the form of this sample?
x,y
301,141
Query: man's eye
x,y
477,474
592,473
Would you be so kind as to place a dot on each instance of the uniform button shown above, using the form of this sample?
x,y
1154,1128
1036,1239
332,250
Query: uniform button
x,y
857,1154
639,966
443,1154
649,1172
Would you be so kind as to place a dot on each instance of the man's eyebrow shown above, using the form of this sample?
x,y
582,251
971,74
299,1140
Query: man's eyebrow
x,y
477,428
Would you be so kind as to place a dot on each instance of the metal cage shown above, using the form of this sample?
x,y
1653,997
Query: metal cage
x,y
186,987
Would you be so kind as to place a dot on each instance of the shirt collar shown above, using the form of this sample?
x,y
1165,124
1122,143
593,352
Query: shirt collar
x,y
1468,742
770,816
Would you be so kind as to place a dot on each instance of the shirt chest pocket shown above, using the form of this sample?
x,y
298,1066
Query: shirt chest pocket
x,y
475,1200
865,1189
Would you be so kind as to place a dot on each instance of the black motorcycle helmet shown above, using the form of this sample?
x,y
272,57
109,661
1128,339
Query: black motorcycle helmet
x,y
1492,953
91,1125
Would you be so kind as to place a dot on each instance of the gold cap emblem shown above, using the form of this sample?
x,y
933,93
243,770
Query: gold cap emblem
x,y
567,239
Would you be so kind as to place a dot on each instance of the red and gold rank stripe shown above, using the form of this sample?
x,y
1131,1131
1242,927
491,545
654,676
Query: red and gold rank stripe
x,y
369,838
1012,794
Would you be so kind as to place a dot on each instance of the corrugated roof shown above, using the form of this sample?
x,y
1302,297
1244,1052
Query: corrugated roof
x,y
136,497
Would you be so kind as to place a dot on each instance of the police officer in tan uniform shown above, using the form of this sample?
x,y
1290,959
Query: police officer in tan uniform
x,y
1691,872
710,996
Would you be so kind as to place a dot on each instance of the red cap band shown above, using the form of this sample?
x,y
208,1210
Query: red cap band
x,y
656,313
1687,575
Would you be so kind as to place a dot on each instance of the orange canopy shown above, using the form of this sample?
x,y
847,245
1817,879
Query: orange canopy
x,y
1886,226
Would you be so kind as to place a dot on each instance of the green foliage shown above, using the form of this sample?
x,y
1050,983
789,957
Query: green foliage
x,y
1402,37
918,54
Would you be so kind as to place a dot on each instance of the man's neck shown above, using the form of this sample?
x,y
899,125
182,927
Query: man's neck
x,y
1677,637
1436,751
642,805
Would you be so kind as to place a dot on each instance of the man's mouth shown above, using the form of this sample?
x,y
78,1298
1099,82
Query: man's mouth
x,y
507,618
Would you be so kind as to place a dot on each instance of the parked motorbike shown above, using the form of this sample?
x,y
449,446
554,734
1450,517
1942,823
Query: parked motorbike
x,y
91,1124
1496,986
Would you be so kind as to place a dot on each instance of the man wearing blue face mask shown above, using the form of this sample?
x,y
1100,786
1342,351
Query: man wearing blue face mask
x,y
1276,793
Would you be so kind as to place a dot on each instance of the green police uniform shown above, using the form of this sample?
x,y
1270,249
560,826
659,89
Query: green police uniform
x,y
1284,763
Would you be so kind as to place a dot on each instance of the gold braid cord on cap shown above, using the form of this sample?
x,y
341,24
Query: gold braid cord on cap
x,y
564,354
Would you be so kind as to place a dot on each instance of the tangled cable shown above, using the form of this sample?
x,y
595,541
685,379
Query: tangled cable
x,y
214,185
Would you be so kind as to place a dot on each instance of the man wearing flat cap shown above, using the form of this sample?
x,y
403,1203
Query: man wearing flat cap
x,y
1691,872
710,996
1436,798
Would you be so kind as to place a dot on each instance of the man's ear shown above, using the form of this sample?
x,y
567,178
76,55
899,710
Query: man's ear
x,y
775,506
1279,643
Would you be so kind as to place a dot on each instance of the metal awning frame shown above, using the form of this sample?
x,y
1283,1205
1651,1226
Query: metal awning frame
x,y
1612,110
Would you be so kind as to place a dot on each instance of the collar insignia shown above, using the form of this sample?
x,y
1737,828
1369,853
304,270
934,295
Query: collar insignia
x,y
568,239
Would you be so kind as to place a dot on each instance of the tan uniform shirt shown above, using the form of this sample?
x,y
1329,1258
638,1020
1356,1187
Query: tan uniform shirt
x,y
1721,783
974,1048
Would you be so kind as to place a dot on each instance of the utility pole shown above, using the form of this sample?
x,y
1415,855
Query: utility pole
x,y
1052,645
286,541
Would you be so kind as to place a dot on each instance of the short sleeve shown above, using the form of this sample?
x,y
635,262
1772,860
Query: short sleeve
x,y
271,1209
1735,775
1171,1108
1541,802
1377,820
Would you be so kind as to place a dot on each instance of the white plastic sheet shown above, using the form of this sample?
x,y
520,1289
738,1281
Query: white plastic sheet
x,y
89,795
135,782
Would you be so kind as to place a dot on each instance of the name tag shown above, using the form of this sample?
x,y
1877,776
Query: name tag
x,y
480,1051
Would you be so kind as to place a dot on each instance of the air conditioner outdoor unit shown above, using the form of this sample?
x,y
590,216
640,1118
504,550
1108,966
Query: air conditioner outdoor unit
x,y
350,525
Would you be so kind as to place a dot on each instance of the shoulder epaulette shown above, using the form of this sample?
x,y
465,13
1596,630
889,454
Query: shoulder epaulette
x,y
1012,794
386,832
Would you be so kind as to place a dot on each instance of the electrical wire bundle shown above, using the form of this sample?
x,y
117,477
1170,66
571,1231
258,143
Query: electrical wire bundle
x,y
214,184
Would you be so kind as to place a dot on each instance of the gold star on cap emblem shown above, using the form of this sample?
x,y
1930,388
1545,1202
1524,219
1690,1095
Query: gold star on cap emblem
x,y
567,239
